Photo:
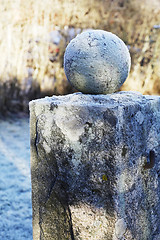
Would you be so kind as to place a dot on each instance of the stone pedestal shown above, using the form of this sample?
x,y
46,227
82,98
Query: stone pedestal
x,y
95,167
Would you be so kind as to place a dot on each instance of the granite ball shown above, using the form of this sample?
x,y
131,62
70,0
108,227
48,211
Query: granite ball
x,y
97,62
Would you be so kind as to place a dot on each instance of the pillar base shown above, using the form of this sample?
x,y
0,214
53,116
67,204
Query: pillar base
x,y
95,167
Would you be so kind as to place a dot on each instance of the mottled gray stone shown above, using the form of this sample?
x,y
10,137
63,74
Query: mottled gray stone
x,y
95,167
97,62
120,228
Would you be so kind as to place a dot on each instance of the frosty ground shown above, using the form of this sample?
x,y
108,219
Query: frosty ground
x,y
15,180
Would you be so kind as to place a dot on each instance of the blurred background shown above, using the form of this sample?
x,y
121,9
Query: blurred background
x,y
34,35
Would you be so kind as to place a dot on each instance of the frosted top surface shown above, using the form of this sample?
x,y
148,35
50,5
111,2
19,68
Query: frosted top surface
x,y
80,99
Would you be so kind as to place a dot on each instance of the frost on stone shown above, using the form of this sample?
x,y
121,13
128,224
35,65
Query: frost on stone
x,y
88,177
139,117
120,228
97,62
71,121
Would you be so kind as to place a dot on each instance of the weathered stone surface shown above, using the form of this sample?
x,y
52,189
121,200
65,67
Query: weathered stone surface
x,y
95,167
97,62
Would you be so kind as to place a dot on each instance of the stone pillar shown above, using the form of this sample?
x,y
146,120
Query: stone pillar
x,y
95,167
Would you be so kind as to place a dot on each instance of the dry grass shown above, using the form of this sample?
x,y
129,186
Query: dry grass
x,y
24,46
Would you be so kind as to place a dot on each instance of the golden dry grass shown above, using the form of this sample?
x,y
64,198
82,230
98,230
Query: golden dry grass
x,y
25,25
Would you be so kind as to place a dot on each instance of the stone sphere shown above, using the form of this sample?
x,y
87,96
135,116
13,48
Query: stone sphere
x,y
97,62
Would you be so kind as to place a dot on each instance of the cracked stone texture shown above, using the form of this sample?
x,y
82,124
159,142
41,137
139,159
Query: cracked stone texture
x,y
95,167
97,62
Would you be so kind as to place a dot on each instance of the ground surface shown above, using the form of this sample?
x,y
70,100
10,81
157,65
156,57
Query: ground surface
x,y
15,181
